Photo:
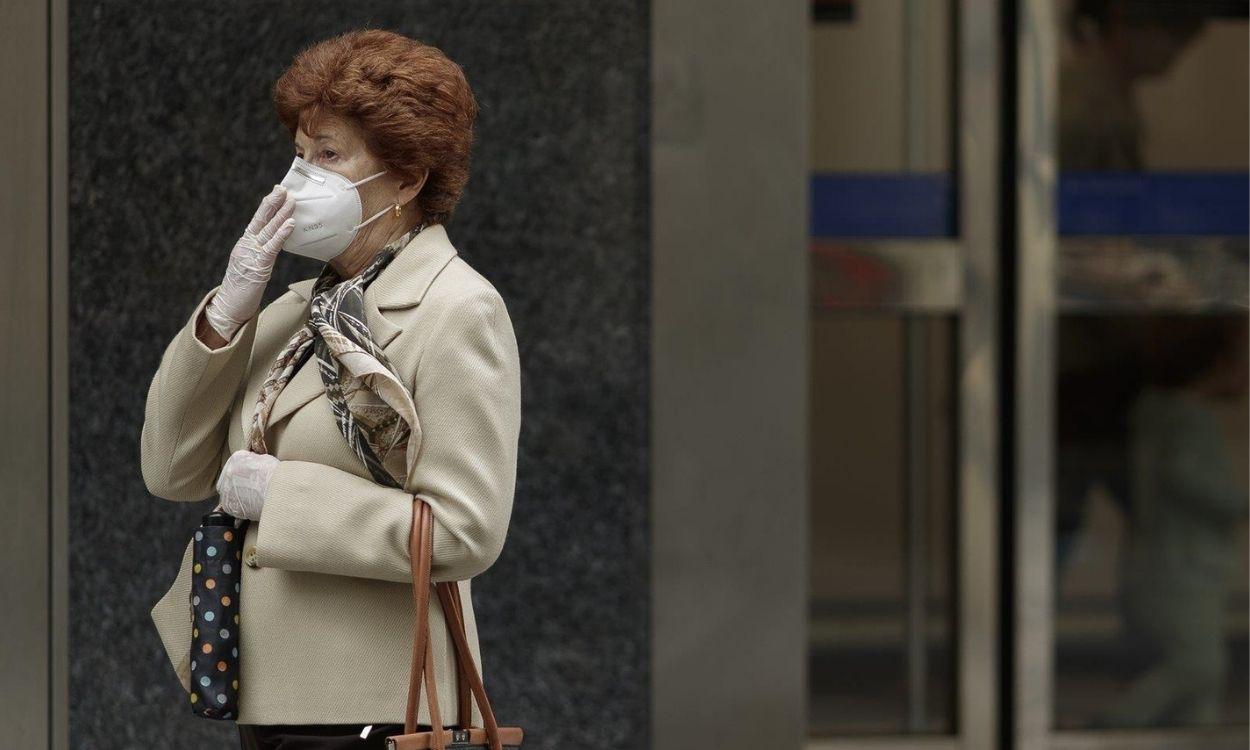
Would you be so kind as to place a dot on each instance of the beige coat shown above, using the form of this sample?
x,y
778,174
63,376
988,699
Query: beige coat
x,y
326,608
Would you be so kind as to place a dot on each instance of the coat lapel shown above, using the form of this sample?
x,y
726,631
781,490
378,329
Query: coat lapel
x,y
402,284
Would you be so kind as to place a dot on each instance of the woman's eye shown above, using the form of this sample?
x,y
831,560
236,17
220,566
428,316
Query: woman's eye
x,y
329,154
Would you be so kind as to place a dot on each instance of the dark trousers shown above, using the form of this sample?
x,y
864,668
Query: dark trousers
x,y
317,736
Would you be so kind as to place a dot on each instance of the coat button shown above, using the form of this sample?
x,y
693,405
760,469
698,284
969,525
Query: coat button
x,y
249,556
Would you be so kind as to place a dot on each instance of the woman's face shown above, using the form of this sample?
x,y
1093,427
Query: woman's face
x,y
338,145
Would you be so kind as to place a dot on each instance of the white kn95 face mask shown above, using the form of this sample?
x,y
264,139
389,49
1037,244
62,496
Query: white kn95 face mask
x,y
327,210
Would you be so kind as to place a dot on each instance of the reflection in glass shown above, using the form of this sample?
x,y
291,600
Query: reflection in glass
x,y
1152,84
881,94
1180,556
1153,273
881,515
1151,536
881,522
1152,426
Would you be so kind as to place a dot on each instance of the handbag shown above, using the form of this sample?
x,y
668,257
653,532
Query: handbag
x,y
215,580
462,736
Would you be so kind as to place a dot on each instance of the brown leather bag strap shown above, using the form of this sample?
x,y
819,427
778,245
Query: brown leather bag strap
x,y
465,717
445,597
420,548
431,694
420,595
420,542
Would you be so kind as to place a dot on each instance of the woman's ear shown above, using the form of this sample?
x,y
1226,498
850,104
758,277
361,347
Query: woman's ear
x,y
409,190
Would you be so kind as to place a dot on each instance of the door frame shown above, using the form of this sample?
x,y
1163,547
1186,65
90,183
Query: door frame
x,y
34,338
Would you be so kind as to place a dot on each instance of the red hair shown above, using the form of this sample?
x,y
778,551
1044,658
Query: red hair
x,y
411,102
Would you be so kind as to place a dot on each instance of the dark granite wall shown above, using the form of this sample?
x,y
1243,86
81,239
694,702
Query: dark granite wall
x,y
173,141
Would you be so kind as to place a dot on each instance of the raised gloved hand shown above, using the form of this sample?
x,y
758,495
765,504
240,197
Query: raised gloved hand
x,y
251,264
243,482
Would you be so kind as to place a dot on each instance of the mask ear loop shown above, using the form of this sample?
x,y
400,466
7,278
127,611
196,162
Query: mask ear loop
x,y
371,218
371,177
379,213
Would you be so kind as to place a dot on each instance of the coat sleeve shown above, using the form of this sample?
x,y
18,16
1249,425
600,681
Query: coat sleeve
x,y
467,391
184,420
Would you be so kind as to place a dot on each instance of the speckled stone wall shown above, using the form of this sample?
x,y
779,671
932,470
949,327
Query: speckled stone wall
x,y
173,141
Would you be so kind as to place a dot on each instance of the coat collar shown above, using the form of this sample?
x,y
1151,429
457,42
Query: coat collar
x,y
403,283
406,278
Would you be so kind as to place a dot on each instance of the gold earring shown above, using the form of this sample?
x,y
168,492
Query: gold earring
x,y
397,209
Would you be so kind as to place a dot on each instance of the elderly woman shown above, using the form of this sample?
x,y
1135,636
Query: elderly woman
x,y
266,410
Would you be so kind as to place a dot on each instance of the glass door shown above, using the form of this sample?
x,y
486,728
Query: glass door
x,y
1132,442
902,511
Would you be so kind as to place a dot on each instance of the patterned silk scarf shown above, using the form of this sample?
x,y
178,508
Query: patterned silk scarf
x,y
338,333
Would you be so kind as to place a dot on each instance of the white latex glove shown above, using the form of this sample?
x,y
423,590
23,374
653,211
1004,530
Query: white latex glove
x,y
243,482
251,264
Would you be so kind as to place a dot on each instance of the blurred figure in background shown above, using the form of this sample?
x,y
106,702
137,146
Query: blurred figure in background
x,y
1114,43
1180,556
